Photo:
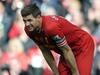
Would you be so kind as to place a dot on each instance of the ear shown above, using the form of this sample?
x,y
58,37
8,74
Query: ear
x,y
38,16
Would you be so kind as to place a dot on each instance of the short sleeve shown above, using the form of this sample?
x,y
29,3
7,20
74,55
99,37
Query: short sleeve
x,y
55,32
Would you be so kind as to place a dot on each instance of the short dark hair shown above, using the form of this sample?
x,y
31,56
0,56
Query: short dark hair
x,y
31,9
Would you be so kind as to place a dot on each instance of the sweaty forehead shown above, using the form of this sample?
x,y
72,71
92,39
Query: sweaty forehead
x,y
28,17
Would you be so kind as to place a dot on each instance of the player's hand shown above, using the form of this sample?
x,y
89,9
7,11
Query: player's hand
x,y
75,73
56,74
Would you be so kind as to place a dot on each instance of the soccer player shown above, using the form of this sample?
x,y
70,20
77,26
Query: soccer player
x,y
75,46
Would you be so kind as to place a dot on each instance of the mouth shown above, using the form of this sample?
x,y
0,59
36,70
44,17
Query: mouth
x,y
30,28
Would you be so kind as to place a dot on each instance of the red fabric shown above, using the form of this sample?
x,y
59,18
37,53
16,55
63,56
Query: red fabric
x,y
47,71
58,26
21,57
33,51
84,60
14,32
80,42
4,59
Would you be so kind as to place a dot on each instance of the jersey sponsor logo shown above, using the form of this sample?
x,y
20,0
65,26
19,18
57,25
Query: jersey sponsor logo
x,y
54,17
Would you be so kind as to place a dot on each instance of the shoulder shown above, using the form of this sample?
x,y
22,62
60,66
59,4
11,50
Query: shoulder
x,y
29,34
50,19
50,24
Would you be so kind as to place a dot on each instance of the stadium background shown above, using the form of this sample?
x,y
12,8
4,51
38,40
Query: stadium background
x,y
19,55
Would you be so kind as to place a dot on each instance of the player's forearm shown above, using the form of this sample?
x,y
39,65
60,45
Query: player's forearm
x,y
69,57
50,59
71,60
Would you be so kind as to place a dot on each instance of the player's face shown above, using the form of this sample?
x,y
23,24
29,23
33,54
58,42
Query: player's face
x,y
31,23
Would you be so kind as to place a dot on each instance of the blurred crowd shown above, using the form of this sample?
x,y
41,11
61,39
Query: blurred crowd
x,y
19,55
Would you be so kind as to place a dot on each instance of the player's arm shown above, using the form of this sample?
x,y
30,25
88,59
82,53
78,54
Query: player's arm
x,y
69,57
56,33
66,52
50,59
47,55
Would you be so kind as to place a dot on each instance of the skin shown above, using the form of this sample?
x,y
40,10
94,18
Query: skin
x,y
31,24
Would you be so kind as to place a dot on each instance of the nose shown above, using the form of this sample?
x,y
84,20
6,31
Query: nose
x,y
27,23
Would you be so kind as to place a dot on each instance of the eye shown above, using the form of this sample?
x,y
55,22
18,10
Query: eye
x,y
24,21
29,20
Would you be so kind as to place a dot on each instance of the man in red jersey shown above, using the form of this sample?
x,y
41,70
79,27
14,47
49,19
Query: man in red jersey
x,y
75,46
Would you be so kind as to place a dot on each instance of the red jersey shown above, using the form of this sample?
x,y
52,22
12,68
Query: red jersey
x,y
57,31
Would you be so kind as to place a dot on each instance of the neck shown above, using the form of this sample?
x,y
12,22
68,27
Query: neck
x,y
40,22
39,28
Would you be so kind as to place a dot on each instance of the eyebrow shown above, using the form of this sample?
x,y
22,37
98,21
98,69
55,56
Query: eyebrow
x,y
27,20
24,20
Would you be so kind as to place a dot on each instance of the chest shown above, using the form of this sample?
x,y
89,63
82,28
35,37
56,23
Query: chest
x,y
42,39
47,42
